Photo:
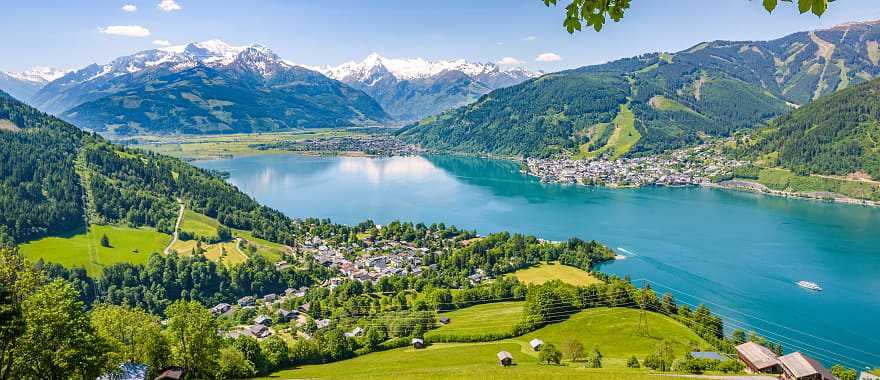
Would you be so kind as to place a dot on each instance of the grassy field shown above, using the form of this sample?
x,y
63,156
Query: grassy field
x,y
214,146
662,103
490,318
624,137
785,180
554,271
199,224
613,330
225,253
132,245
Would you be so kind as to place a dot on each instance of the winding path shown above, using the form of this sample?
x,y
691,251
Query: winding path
x,y
176,228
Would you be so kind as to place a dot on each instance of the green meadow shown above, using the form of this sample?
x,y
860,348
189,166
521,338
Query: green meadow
x,y
544,272
131,245
490,318
612,330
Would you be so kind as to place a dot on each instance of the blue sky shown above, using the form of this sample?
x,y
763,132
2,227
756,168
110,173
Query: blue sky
x,y
63,33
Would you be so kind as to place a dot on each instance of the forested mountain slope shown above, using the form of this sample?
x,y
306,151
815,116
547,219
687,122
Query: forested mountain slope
x,y
53,176
838,134
712,88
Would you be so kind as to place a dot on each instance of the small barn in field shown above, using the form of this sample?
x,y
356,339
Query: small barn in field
x,y
505,358
536,344
797,366
444,320
418,343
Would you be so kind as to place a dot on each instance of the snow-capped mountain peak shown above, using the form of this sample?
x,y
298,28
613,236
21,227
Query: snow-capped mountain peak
x,y
405,68
39,75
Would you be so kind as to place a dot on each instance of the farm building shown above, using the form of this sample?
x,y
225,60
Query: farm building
x,y
259,331
220,308
358,331
536,344
418,343
247,301
758,359
868,376
505,358
797,366
271,297
444,320
263,319
286,316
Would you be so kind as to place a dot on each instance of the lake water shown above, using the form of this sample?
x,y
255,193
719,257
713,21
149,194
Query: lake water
x,y
737,252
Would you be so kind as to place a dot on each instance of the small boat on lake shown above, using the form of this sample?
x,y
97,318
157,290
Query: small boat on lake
x,y
809,285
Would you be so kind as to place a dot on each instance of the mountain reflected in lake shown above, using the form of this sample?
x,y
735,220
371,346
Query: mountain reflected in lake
x,y
740,253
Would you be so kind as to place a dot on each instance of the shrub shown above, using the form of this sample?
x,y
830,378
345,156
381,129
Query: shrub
x,y
633,362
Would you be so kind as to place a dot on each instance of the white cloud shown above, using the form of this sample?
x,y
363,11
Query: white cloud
x,y
530,38
509,61
129,8
169,6
161,42
548,57
126,30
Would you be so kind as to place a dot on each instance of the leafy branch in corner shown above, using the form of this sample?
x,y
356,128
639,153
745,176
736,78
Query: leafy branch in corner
x,y
596,12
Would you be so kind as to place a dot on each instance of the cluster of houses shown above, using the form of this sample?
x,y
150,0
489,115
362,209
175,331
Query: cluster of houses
x,y
794,366
381,259
262,323
690,166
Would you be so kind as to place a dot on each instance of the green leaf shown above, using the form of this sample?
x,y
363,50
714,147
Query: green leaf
x,y
804,5
770,5
819,7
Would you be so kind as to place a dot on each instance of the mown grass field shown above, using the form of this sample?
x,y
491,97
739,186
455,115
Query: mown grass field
x,y
215,146
554,271
490,318
198,224
131,245
612,330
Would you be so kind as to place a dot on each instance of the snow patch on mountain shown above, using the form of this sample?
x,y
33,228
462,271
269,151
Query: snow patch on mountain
x,y
39,75
374,66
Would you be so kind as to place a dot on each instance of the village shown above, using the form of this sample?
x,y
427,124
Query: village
x,y
370,145
690,166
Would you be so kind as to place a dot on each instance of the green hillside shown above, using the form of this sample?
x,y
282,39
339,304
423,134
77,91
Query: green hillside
x,y
835,135
612,330
56,179
711,89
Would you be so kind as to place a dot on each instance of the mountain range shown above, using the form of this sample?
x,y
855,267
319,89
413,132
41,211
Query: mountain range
x,y
656,102
410,89
213,87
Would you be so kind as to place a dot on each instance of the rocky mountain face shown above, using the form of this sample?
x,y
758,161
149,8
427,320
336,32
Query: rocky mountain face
x,y
410,89
207,87
711,89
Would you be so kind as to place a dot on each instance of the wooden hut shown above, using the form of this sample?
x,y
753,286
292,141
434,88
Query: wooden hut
x,y
536,344
797,366
758,359
418,343
505,358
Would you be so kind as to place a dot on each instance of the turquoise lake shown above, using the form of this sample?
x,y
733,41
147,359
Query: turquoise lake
x,y
739,253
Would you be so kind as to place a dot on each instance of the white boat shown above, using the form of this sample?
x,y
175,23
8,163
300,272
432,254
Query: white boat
x,y
809,285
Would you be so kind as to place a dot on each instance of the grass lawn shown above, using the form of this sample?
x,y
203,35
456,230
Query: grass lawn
x,y
613,330
199,224
785,180
490,318
131,245
554,271
214,252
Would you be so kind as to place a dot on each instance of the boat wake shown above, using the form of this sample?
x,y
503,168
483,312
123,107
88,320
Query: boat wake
x,y
628,253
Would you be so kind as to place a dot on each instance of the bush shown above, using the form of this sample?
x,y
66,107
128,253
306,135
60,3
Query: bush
x,y
633,362
549,353
730,366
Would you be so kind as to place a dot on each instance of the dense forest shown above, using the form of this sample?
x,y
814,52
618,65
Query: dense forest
x,y
837,134
52,174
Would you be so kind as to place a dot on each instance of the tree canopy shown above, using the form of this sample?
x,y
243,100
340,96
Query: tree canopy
x,y
594,13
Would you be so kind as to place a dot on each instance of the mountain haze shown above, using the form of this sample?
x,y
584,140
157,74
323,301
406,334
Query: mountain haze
x,y
712,88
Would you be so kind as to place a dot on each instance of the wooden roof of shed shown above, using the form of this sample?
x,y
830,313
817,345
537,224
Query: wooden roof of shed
x,y
801,365
759,356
